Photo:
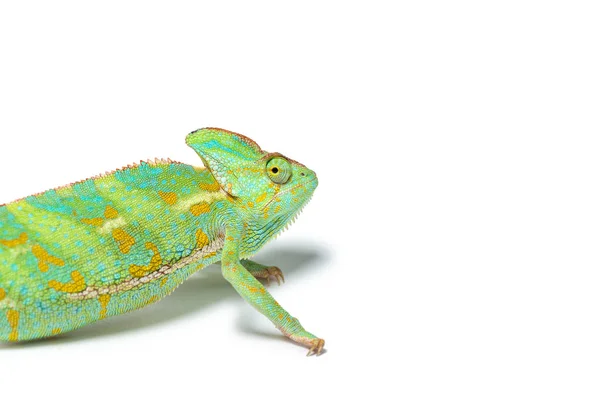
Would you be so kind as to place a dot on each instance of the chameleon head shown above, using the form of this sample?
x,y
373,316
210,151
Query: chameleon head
x,y
289,188
266,186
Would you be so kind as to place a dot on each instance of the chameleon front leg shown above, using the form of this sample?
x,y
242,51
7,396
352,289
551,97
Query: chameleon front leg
x,y
255,294
264,272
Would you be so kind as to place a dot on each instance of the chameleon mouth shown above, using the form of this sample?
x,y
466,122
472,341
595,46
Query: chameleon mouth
x,y
304,183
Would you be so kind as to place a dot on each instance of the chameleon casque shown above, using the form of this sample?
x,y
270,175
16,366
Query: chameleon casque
x,y
120,241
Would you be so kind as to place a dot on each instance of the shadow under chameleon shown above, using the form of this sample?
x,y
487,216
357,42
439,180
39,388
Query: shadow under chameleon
x,y
199,292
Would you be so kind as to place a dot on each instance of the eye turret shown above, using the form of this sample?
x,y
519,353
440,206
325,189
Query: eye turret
x,y
279,170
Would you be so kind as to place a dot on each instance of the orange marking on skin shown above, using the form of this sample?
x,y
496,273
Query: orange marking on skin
x,y
168,197
277,209
110,213
254,289
124,239
164,281
103,299
261,198
210,187
45,259
250,204
280,316
152,299
209,255
201,239
13,320
22,239
139,271
2,294
56,331
200,208
76,285
93,221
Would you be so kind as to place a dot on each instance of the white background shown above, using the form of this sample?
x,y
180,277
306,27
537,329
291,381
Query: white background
x,y
451,249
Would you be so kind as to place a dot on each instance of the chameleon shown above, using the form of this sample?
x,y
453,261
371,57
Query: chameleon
x,y
119,241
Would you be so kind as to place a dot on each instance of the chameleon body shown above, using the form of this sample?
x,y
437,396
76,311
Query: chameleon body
x,y
120,241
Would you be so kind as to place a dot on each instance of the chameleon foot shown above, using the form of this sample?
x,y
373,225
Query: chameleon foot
x,y
316,348
268,273
315,345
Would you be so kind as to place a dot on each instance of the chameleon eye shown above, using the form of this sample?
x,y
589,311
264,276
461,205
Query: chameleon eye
x,y
279,170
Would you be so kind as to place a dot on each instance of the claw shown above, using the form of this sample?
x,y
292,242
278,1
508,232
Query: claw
x,y
316,348
275,273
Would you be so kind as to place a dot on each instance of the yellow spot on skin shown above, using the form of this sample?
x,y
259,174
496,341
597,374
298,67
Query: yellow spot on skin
x,y
209,255
13,321
44,258
152,299
164,281
250,204
168,197
277,209
76,285
210,187
103,299
201,239
110,213
254,289
124,239
261,198
200,208
2,294
22,239
139,271
93,221
280,316
56,331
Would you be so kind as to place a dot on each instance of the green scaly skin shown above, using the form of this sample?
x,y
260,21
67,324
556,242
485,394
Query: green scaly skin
x,y
118,242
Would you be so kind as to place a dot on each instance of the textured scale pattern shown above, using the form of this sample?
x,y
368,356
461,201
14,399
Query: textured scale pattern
x,y
120,241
